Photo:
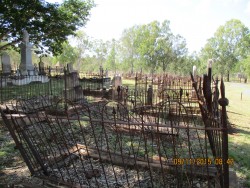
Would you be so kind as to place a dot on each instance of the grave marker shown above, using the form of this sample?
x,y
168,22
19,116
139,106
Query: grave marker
x,y
6,66
26,58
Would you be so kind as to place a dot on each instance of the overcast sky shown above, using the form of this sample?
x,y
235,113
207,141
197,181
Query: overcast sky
x,y
195,20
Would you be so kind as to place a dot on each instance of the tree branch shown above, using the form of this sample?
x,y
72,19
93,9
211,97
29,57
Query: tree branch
x,y
3,35
9,44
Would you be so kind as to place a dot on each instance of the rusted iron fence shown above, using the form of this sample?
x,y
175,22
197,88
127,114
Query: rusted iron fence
x,y
150,136
158,89
20,88
57,83
103,145
106,145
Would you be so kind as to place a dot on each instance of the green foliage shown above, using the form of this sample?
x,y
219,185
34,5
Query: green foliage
x,y
111,59
152,47
244,66
228,46
68,55
83,45
48,24
128,49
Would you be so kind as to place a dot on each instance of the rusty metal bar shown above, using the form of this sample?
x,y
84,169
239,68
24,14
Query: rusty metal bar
x,y
223,103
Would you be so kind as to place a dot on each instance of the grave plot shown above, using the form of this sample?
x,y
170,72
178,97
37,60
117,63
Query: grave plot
x,y
156,90
166,132
107,145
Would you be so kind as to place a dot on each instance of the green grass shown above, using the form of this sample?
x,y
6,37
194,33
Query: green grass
x,y
239,117
129,83
7,151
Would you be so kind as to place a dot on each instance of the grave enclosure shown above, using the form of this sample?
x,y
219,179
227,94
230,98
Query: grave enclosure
x,y
163,132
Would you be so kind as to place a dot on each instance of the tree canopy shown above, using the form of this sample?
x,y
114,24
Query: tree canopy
x,y
152,47
229,45
49,24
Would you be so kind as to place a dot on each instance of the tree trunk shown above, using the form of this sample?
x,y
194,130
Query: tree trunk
x,y
132,68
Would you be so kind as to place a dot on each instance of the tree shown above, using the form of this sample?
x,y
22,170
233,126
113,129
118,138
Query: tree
x,y
83,45
100,51
244,67
152,47
145,41
128,47
111,59
68,55
180,54
229,45
164,46
48,24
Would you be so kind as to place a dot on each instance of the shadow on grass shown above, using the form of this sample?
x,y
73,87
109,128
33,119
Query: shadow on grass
x,y
240,152
233,130
235,113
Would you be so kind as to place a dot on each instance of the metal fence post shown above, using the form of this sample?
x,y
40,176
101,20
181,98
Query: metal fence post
x,y
223,101
1,96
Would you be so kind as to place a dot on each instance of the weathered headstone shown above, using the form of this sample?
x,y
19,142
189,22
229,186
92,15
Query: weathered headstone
x,y
41,68
35,70
101,71
70,67
18,73
194,75
106,73
6,66
26,58
73,90
150,95
116,83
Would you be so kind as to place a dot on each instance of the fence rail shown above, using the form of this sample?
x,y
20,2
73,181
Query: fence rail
x,y
27,86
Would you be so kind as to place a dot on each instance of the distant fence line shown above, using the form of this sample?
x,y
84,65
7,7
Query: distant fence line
x,y
52,82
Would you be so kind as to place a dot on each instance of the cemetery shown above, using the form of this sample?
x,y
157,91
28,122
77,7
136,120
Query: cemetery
x,y
138,112
83,131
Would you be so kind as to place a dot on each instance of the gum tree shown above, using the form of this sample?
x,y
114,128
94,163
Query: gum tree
x,y
229,45
49,24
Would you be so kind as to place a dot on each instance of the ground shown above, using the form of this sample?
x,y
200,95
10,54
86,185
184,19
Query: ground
x,y
239,139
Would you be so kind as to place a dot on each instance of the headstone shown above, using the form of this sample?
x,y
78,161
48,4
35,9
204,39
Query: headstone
x,y
116,83
101,71
194,75
18,73
41,68
70,68
26,58
106,73
35,70
6,67
73,89
150,95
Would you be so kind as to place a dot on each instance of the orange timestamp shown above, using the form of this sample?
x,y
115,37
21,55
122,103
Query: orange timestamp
x,y
202,161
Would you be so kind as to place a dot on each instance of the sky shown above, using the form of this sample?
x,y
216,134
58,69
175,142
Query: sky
x,y
195,20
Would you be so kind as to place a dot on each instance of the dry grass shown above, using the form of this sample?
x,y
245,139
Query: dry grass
x,y
239,117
